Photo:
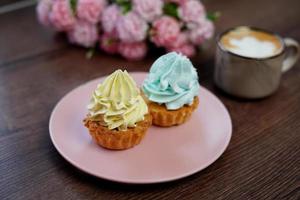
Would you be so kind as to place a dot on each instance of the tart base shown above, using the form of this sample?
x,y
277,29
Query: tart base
x,y
166,118
115,139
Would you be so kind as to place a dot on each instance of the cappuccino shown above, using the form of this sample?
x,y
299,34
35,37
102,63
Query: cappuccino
x,y
251,43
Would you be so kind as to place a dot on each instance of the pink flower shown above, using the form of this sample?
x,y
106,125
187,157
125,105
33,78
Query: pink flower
x,y
180,40
186,49
84,34
164,31
109,18
61,15
201,32
148,9
133,51
90,10
131,28
109,43
43,9
192,11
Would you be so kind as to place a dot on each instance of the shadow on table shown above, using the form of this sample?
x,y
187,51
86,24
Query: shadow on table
x,y
221,94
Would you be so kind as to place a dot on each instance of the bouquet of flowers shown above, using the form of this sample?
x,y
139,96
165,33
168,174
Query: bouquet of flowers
x,y
125,27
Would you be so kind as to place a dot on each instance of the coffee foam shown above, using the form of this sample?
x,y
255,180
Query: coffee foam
x,y
250,43
251,47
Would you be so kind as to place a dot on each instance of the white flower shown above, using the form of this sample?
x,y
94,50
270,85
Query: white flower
x,y
148,9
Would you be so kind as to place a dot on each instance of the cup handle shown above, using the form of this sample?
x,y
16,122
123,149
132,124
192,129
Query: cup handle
x,y
292,54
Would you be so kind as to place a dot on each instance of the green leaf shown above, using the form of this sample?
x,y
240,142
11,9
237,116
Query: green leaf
x,y
171,9
90,53
125,5
120,1
73,4
213,16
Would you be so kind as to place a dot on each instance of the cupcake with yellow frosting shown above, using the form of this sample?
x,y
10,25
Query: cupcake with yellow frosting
x,y
118,116
171,90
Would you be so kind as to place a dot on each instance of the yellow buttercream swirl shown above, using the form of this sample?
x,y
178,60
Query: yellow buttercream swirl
x,y
117,102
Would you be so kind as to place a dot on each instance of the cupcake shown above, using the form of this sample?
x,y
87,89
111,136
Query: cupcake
x,y
118,116
171,90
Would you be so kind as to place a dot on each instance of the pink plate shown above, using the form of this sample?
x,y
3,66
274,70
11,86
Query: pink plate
x,y
165,154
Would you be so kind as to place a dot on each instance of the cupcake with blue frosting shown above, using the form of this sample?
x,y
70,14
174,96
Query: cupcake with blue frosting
x,y
171,90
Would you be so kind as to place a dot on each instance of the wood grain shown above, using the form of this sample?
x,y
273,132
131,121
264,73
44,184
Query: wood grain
x,y
37,68
8,2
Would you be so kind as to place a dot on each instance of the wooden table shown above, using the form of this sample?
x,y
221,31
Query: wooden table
x,y
38,67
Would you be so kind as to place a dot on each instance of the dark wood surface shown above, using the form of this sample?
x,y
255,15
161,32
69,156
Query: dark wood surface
x,y
38,67
9,2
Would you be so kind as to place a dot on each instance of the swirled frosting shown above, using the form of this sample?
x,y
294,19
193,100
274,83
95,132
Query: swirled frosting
x,y
117,102
172,81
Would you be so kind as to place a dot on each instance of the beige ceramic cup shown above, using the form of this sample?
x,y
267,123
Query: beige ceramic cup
x,y
253,77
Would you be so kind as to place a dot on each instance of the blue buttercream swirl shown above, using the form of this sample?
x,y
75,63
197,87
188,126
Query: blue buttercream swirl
x,y
172,81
